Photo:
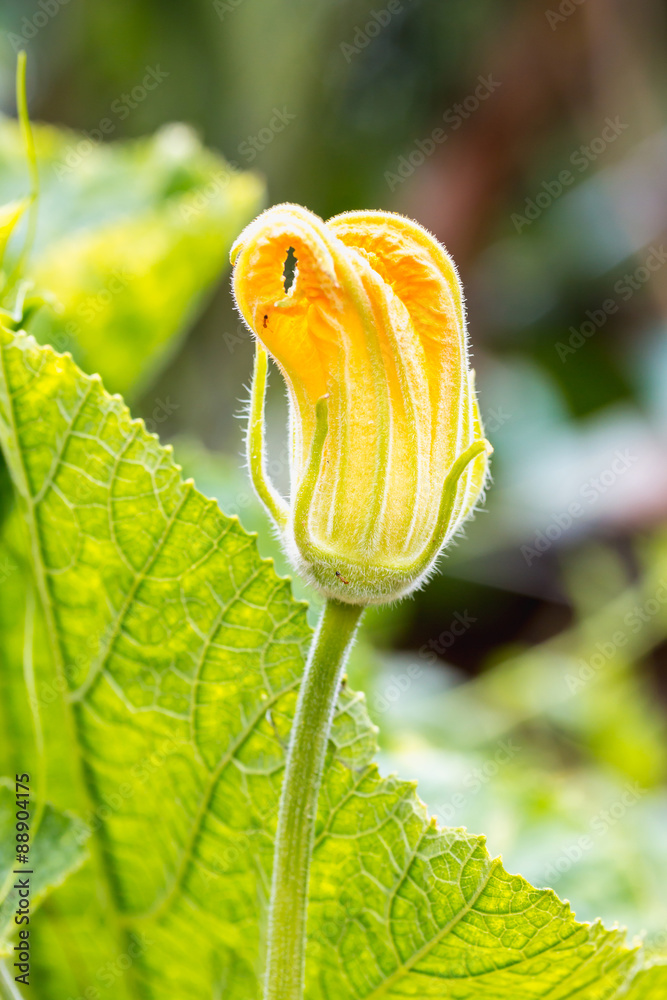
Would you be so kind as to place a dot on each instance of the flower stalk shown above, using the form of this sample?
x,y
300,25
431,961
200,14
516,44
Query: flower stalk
x,y
387,460
298,804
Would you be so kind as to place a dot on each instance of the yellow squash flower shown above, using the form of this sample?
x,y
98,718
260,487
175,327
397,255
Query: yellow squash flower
x,y
388,456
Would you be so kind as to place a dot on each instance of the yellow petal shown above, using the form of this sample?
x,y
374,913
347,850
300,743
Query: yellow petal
x,y
374,320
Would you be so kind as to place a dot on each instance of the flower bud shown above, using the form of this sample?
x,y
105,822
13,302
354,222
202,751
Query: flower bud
x,y
387,453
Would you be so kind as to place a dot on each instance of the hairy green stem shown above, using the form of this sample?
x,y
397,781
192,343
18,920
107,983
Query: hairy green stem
x,y
298,802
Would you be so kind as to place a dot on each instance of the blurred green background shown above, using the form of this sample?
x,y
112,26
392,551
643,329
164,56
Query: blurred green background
x,y
526,686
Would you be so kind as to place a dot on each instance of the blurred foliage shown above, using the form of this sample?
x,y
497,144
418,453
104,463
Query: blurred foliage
x,y
129,238
324,107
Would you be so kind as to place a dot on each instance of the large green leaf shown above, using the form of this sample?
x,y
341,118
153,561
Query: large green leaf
x,y
648,984
182,651
130,237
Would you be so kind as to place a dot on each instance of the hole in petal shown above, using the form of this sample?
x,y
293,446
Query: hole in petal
x,y
289,270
